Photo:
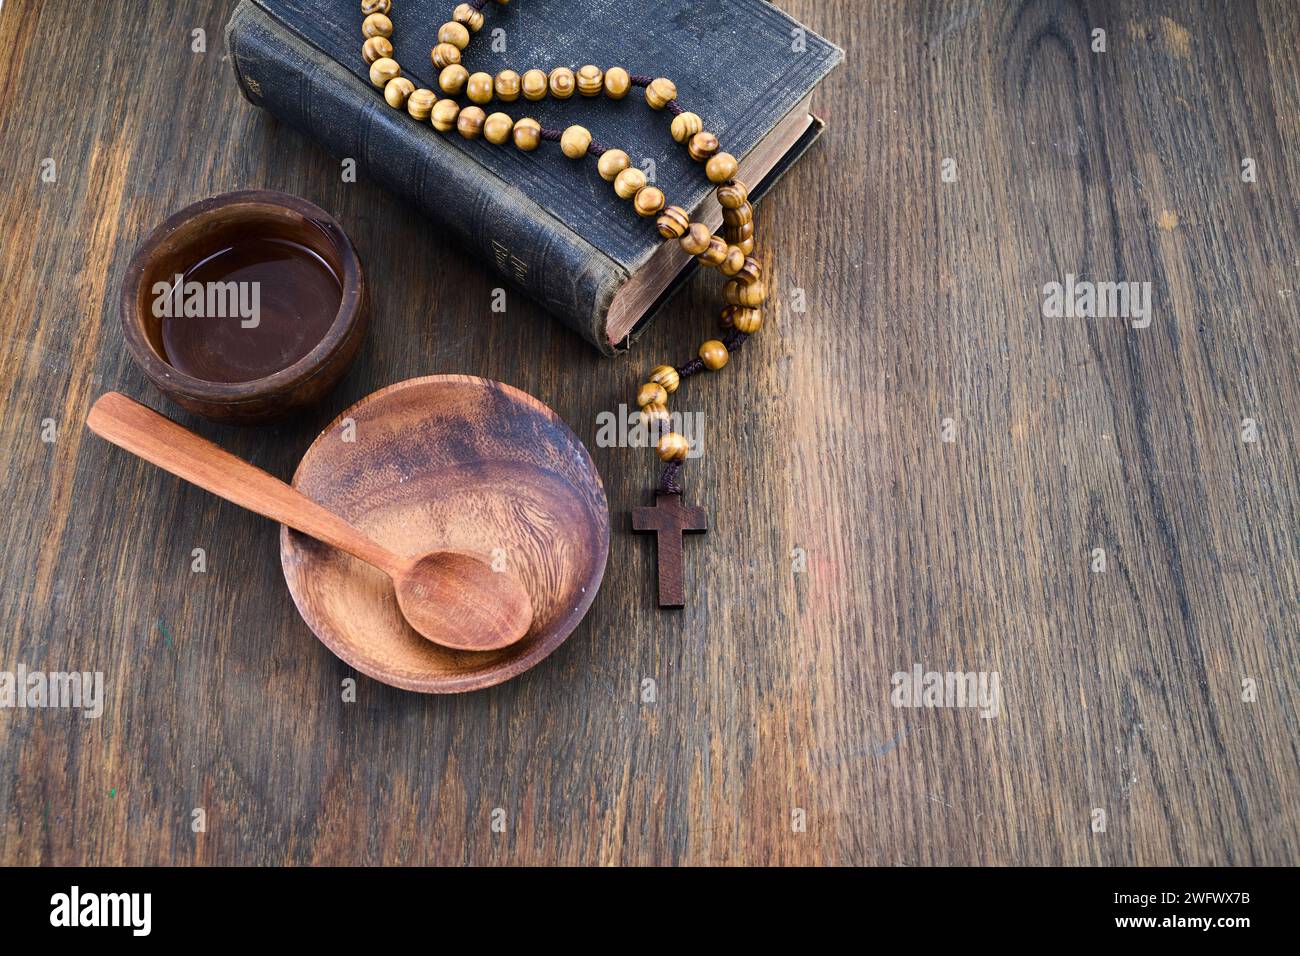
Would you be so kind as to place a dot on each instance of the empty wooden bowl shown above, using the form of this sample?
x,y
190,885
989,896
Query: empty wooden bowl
x,y
459,463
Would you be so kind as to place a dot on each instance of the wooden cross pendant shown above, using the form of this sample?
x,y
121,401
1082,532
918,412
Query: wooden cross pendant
x,y
668,519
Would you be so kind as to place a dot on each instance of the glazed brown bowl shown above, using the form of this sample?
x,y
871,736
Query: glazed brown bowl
x,y
455,462
204,228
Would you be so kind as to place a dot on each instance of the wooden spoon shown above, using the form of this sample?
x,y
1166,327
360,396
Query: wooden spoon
x,y
453,598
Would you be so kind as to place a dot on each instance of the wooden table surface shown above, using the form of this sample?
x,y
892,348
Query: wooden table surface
x,y
944,457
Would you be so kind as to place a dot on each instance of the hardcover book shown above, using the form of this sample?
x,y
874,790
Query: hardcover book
x,y
550,225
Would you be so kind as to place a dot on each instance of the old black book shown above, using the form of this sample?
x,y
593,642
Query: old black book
x,y
553,227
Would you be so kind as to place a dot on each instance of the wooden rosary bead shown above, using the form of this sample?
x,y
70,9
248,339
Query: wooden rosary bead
x,y
420,104
672,446
467,15
562,82
654,414
702,146
741,215
444,55
648,201
666,376
479,88
714,355
731,234
685,125
752,295
470,122
376,25
733,195
617,82
660,92
452,79
673,223
734,234
750,272
397,90
715,253
574,142
734,261
443,116
651,393
728,316
527,134
376,48
740,237
376,6
611,163
383,70
747,320
720,167
454,33
507,86
696,239
591,80
534,85
629,182
497,127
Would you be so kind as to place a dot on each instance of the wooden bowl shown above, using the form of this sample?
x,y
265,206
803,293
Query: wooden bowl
x,y
205,227
448,461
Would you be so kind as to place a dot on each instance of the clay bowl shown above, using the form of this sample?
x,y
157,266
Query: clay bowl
x,y
203,228
457,462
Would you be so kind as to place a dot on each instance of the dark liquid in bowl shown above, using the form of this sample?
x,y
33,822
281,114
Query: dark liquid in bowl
x,y
283,300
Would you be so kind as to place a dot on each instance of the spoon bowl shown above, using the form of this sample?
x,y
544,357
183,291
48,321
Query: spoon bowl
x,y
457,600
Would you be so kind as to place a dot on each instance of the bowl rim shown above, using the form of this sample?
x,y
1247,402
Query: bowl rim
x,y
513,666
170,379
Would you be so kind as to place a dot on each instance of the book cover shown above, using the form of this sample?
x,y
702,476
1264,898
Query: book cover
x,y
550,225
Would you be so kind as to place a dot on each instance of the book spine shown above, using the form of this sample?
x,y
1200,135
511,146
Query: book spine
x,y
535,253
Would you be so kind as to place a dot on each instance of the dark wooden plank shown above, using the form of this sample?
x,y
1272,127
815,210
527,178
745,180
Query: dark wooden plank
x,y
850,541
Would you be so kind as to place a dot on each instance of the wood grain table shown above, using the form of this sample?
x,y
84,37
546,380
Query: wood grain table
x,y
918,469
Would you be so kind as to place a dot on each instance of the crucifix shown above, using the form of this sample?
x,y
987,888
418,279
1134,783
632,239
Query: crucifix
x,y
669,518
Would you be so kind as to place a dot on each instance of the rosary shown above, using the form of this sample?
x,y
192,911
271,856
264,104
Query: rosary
x,y
744,291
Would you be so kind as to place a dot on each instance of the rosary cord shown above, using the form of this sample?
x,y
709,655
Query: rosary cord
x,y
668,483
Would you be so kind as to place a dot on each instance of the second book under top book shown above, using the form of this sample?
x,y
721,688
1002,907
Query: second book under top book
x,y
551,225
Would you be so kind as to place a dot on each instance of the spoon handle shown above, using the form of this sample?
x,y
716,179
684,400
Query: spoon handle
x,y
176,449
